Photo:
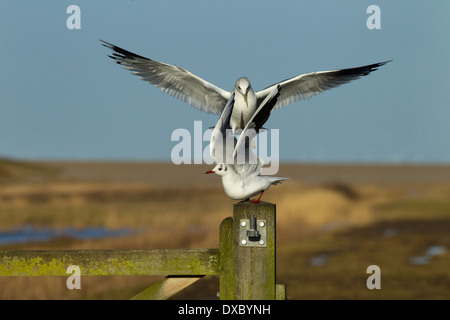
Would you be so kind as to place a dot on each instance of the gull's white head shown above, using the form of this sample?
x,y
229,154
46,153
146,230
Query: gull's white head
x,y
243,86
221,169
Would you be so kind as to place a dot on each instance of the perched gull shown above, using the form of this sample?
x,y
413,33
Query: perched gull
x,y
205,96
242,180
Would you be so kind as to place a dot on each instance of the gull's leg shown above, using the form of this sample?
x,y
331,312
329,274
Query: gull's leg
x,y
257,200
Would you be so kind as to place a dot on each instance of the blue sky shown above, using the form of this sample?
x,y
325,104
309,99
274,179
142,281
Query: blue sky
x,y
61,97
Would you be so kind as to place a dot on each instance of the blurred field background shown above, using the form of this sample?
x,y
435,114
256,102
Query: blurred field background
x,y
333,221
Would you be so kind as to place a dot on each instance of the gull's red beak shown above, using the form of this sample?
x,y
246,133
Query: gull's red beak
x,y
209,171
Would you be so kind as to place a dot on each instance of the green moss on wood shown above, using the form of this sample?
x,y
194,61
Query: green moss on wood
x,y
110,262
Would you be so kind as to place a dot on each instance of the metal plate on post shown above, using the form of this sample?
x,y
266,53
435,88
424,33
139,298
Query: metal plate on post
x,y
249,237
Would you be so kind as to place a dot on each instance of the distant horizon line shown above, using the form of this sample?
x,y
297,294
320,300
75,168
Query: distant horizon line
x,y
4,158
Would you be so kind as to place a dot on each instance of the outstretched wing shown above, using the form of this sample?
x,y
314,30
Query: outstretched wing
x,y
307,85
174,80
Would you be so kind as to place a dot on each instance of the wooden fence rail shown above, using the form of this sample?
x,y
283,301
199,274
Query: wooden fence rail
x,y
245,260
99,262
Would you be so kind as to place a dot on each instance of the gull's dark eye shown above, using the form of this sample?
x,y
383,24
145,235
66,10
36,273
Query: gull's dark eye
x,y
220,169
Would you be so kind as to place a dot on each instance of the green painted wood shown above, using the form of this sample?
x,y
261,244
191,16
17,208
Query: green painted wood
x,y
164,289
280,292
110,262
226,250
254,267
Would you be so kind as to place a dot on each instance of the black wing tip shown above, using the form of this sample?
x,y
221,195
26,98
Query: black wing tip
x,y
384,62
117,58
120,52
109,45
375,66
363,70
106,43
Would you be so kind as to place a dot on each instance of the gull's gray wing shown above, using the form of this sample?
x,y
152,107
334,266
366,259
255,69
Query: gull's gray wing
x,y
174,80
307,85
221,137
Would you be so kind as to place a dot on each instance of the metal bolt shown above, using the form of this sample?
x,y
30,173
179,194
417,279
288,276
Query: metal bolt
x,y
262,224
244,242
243,223
252,222
261,242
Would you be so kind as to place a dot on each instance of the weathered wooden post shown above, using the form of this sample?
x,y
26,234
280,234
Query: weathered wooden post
x,y
247,253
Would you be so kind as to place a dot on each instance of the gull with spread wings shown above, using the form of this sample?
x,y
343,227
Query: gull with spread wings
x,y
205,96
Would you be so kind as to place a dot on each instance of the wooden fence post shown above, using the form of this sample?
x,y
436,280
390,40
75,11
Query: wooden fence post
x,y
253,275
226,258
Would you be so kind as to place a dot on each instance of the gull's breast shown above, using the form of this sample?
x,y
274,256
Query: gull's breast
x,y
242,111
